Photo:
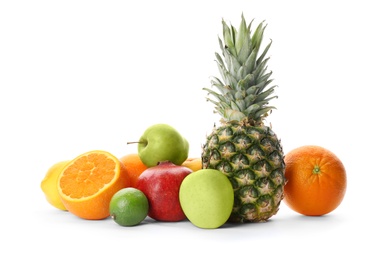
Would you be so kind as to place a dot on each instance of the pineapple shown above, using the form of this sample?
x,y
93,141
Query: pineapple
x,y
243,147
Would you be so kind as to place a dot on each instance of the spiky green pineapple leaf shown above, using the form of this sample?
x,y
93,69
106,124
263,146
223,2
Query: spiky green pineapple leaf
x,y
264,112
231,62
260,69
243,44
233,115
263,95
251,90
265,51
257,36
239,95
249,64
228,36
217,83
244,82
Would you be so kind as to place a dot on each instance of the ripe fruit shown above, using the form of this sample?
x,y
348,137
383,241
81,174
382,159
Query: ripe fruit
x,y
134,167
194,164
316,180
161,142
129,207
161,185
243,147
206,197
49,185
88,182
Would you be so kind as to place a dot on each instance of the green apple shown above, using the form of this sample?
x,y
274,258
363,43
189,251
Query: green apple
x,y
162,142
206,197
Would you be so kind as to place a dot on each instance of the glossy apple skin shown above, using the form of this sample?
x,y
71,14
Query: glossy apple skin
x,y
161,185
162,142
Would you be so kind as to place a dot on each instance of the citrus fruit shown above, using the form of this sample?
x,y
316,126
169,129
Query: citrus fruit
x,y
49,184
88,182
194,164
316,180
134,167
129,207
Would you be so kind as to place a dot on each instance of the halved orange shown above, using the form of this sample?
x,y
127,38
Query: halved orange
x,y
88,182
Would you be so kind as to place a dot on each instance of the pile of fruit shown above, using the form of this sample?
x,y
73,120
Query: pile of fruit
x,y
241,176
159,181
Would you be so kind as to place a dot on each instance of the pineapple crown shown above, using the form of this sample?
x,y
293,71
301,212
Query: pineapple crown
x,y
244,91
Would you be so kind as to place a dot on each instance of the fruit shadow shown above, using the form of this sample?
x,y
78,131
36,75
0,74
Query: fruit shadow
x,y
302,219
149,220
289,223
232,225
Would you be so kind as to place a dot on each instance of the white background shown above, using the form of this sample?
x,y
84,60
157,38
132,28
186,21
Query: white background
x,y
82,75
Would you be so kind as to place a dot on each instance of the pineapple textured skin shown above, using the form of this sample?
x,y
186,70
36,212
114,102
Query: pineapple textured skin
x,y
253,160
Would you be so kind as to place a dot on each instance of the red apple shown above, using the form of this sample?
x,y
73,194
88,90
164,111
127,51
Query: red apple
x,y
161,185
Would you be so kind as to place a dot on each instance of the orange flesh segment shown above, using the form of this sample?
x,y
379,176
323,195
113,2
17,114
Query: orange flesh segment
x,y
87,175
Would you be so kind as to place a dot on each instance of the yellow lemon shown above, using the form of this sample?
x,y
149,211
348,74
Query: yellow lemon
x,y
49,184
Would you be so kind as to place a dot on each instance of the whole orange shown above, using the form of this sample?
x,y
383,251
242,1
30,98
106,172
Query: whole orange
x,y
134,167
316,180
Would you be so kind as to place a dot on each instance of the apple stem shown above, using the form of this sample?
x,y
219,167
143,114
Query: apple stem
x,y
138,142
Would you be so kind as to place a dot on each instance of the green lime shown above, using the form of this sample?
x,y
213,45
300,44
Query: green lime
x,y
129,207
